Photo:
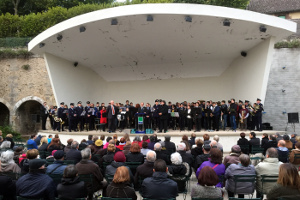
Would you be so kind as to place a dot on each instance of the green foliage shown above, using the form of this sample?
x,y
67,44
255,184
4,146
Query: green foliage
x,y
242,4
14,42
8,129
295,43
10,53
26,67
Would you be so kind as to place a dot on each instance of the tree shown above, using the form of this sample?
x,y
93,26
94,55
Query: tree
x,y
242,4
16,5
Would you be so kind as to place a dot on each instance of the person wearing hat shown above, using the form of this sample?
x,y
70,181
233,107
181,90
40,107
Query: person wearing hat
x,y
80,116
36,184
60,114
72,118
58,166
233,157
258,114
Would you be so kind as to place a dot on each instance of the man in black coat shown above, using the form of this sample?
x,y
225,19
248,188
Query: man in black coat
x,y
80,115
73,153
170,146
145,170
271,143
60,113
253,140
112,113
197,115
160,154
44,114
163,113
244,143
72,118
7,188
159,186
186,157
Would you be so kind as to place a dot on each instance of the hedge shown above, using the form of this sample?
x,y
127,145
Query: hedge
x,y
14,42
35,23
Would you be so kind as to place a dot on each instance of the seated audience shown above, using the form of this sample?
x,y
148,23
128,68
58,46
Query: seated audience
x,y
205,188
87,166
254,141
43,144
219,145
126,148
288,143
122,144
4,146
170,146
271,143
49,138
185,140
98,145
58,166
233,157
135,154
243,143
68,147
264,140
137,140
71,187
283,152
206,139
198,149
54,145
7,188
7,163
36,184
90,140
107,142
83,144
269,166
151,143
74,153
192,140
30,155
120,186
9,137
109,157
203,157
160,154
243,168
155,187
186,157
31,144
292,159
145,149
145,139
215,162
288,183
178,171
18,153
145,170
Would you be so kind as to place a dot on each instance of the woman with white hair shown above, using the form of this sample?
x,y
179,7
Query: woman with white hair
x,y
178,170
7,163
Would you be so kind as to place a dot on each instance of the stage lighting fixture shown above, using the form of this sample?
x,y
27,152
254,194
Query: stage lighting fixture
x,y
59,37
75,64
41,45
188,19
243,53
82,29
149,18
262,28
226,22
114,22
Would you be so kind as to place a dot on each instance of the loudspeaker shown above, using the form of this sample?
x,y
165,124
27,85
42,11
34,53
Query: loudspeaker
x,y
293,118
243,53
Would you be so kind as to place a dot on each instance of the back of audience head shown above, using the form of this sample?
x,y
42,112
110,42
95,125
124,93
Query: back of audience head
x,y
206,148
108,139
214,144
272,153
288,176
135,148
286,137
59,155
70,171
208,177
119,157
185,137
32,154
74,145
145,137
32,136
121,175
160,166
157,146
297,145
145,145
69,141
176,158
236,149
5,145
7,157
86,154
273,137
102,137
243,135
216,138
281,143
167,138
199,142
193,135
111,148
206,137
181,146
245,160
90,137
253,134
216,156
44,140
151,156
137,139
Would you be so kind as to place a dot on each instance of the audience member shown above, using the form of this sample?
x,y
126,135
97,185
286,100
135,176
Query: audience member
x,y
170,146
7,188
271,143
145,139
293,138
192,140
120,186
292,159
54,145
83,144
198,149
18,153
288,143
186,157
283,152
233,157
219,145
49,138
7,163
38,140
43,144
151,143
145,149
203,157
160,154
145,170
137,140
68,147
205,188
244,168
58,166
254,141
288,183
31,143
135,154
90,140
9,137
36,184
122,144
107,142
215,162
155,187
71,187
279,137
186,142
126,148
109,157
30,155
243,143
206,139
269,166
74,153
264,139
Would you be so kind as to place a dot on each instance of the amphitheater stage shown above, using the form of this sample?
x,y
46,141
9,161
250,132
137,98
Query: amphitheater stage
x,y
227,138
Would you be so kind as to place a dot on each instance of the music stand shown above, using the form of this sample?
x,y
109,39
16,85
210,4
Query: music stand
x,y
141,124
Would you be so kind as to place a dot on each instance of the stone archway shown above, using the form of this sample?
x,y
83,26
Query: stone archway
x,y
4,114
27,113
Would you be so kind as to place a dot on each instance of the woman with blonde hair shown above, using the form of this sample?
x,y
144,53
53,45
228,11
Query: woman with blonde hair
x,y
288,183
44,144
120,186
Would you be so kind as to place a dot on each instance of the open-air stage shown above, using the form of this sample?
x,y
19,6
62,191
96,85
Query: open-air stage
x,y
227,138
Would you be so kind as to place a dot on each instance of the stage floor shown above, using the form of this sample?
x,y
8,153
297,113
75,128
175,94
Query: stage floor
x,y
227,138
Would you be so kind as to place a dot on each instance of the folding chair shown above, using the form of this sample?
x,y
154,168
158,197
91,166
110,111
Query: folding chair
x,y
244,179
182,182
109,178
267,179
56,178
69,162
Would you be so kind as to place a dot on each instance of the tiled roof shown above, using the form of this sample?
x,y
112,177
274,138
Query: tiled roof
x,y
274,6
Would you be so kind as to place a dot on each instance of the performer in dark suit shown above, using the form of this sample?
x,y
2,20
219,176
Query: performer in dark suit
x,y
258,114
72,118
80,115
197,115
112,116
51,115
87,116
216,116
182,117
44,114
60,113
156,121
163,113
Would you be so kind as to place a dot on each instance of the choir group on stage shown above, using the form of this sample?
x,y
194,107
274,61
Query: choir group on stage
x,y
207,115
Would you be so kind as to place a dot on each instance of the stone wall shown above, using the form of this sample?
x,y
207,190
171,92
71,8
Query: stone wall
x,y
283,91
18,86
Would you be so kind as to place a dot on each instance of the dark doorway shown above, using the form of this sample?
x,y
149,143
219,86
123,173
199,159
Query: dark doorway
x,y
29,117
4,114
